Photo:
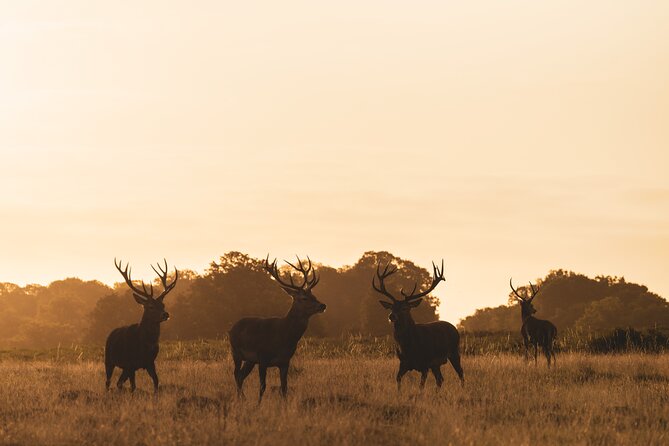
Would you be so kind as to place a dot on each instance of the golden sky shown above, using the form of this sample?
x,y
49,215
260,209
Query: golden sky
x,y
509,137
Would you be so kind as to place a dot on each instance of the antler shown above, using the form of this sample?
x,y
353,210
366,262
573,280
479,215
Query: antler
x,y
389,270
534,292
307,283
143,293
437,276
518,296
521,298
163,278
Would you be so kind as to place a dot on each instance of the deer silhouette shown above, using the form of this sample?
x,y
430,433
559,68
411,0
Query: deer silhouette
x,y
271,342
135,346
421,347
535,331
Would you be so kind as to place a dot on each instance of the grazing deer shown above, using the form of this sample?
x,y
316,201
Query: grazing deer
x,y
136,346
535,331
271,342
421,347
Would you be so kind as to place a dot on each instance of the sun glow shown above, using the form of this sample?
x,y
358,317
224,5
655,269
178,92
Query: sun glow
x,y
506,138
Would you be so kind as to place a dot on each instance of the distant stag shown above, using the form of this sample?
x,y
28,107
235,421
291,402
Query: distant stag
x,y
535,331
136,346
421,347
271,342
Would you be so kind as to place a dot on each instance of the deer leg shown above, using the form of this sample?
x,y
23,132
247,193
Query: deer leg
x,y
241,374
438,377
423,377
131,375
283,373
527,347
238,366
151,370
455,362
536,351
400,373
547,353
109,371
262,374
122,379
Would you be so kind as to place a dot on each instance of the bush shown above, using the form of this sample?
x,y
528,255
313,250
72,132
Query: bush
x,y
629,339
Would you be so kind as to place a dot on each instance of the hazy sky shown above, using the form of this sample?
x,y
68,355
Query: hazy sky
x,y
509,138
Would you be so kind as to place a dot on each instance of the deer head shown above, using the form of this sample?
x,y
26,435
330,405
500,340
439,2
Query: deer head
x,y
526,307
400,308
304,302
154,308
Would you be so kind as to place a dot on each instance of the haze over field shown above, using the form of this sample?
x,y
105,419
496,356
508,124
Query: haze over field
x,y
509,138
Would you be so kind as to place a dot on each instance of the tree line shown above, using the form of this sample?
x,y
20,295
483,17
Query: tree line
x,y
72,311
203,305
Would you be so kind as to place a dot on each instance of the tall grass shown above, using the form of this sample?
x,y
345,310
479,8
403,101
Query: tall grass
x,y
358,346
586,399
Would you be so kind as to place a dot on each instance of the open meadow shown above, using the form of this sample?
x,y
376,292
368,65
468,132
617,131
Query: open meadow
x,y
59,398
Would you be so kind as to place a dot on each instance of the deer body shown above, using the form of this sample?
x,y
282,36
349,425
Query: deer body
x,y
536,332
135,346
423,346
539,332
271,342
420,347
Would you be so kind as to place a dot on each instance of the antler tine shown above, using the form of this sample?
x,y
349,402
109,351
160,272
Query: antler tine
x,y
407,296
315,278
438,276
300,269
305,273
307,283
314,281
313,271
163,278
126,273
150,287
299,262
515,292
273,271
270,267
162,274
437,271
299,266
534,292
387,271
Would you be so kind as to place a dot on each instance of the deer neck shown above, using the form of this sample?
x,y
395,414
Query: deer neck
x,y
149,330
404,328
526,317
296,322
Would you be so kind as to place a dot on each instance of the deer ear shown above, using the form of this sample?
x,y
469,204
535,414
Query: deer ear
x,y
415,303
386,305
139,299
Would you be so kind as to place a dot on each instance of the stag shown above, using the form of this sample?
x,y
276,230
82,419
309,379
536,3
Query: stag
x,y
271,342
421,347
135,347
535,331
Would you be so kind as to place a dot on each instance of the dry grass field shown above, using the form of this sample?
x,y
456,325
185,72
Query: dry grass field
x,y
589,400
